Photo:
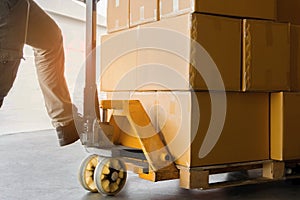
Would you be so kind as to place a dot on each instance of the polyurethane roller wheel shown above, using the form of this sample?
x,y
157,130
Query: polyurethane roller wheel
x,y
86,173
110,176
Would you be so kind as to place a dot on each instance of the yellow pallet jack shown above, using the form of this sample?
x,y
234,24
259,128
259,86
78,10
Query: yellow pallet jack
x,y
105,171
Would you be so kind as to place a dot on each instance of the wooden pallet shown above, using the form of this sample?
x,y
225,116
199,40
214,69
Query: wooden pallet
x,y
198,177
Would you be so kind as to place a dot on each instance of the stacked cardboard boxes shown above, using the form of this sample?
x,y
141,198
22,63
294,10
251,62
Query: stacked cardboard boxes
x,y
276,10
285,112
171,56
123,14
189,125
117,15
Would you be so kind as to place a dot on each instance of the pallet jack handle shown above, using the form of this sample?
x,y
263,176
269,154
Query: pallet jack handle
x,y
90,90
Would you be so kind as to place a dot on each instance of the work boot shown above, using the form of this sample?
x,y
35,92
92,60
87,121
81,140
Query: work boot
x,y
67,134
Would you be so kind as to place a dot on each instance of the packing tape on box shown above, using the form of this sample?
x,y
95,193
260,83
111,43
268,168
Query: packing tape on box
x,y
247,55
142,13
160,7
117,3
180,10
192,3
175,5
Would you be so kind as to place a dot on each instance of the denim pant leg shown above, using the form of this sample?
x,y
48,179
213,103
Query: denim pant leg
x,y
46,39
12,35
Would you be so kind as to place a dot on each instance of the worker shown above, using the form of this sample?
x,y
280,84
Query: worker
x,y
24,22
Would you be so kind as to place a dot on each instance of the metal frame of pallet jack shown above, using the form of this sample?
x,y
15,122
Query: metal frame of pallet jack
x,y
91,111
90,89
91,105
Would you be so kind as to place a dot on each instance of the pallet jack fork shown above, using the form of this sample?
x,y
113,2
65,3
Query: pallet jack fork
x,y
133,117
107,174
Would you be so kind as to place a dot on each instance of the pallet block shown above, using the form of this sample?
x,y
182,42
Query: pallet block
x,y
273,170
198,177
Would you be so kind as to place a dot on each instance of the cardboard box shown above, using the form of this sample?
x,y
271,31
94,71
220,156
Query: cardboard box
x,y
295,57
117,15
184,118
285,116
278,10
250,55
243,8
118,60
143,11
170,8
288,11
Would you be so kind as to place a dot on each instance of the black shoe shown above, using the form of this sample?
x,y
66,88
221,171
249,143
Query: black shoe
x,y
67,134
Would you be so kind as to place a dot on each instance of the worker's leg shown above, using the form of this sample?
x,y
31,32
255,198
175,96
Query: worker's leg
x,y
12,32
8,72
46,39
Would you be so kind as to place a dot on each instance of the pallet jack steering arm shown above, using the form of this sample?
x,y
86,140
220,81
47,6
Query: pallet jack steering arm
x,y
90,89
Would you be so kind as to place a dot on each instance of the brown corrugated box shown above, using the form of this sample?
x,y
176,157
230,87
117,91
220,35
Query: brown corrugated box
x,y
170,8
143,11
288,11
295,57
245,136
246,130
285,126
117,15
278,10
118,63
251,55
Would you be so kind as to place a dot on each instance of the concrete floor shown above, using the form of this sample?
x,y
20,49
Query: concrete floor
x,y
34,167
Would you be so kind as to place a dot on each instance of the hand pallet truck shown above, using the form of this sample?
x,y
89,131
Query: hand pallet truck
x,y
105,170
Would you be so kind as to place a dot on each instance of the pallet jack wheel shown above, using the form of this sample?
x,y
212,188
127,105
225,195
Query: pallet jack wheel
x,y
110,176
86,173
